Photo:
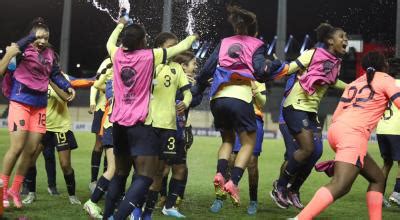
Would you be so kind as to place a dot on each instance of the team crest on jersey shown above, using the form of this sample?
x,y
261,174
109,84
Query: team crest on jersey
x,y
173,71
328,66
128,76
235,50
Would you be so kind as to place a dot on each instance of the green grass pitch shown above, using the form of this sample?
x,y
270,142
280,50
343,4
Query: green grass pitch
x,y
199,195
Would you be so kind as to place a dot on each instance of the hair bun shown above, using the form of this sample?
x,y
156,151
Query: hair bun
x,y
38,20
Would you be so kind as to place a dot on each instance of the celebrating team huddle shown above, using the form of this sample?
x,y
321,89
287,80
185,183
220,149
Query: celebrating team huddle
x,y
142,111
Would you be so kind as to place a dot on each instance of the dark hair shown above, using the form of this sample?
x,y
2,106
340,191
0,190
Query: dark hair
x,y
244,22
372,62
325,32
394,67
184,57
133,37
38,23
163,37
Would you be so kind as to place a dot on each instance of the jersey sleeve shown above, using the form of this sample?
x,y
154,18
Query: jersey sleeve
x,y
391,89
302,62
161,55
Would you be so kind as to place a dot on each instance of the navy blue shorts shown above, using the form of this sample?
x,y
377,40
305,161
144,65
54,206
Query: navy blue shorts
x,y
172,148
259,139
389,145
233,114
96,124
60,140
136,140
298,119
290,143
107,139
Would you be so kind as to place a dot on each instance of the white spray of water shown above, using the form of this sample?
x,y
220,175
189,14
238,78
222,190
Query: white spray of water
x,y
122,4
191,25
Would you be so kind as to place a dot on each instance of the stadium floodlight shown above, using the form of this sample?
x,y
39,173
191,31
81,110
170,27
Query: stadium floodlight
x,y
306,41
1,51
288,43
272,46
78,65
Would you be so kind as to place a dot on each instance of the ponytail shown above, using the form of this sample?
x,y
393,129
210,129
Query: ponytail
x,y
372,62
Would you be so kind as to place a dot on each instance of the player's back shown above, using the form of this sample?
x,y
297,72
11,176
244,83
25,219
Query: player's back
x,y
360,107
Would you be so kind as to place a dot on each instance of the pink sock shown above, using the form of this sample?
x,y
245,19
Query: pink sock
x,y
374,203
5,180
17,183
321,200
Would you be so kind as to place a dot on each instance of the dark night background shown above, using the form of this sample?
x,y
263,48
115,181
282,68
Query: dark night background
x,y
90,28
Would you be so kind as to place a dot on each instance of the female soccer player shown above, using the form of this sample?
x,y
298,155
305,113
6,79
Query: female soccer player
x,y
133,67
102,184
58,136
97,106
259,100
388,134
361,106
28,100
241,60
319,69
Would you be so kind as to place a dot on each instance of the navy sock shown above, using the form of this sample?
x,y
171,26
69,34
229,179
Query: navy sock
x,y
164,183
30,179
301,178
222,167
50,165
151,200
95,162
70,181
174,192
397,185
101,188
114,193
134,197
236,175
292,168
182,192
253,192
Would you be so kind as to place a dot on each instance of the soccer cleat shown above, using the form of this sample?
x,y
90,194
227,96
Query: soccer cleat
x,y
92,186
278,195
92,209
172,212
252,209
29,199
219,182
386,203
6,203
395,198
74,200
216,206
233,192
293,199
136,214
16,198
295,218
52,190
161,202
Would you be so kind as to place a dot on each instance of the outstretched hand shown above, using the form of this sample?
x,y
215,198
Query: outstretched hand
x,y
12,50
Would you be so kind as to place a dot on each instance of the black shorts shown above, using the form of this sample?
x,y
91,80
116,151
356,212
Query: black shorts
x,y
136,140
233,114
107,139
172,149
96,124
389,145
298,119
60,140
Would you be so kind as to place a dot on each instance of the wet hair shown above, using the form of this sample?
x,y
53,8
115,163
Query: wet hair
x,y
184,58
325,32
133,36
372,62
163,37
394,67
38,23
244,22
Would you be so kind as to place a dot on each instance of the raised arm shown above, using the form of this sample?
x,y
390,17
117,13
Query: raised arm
x,y
161,55
112,40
